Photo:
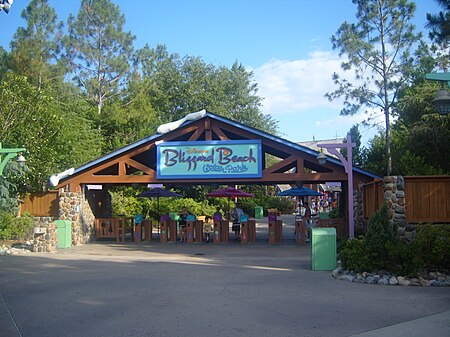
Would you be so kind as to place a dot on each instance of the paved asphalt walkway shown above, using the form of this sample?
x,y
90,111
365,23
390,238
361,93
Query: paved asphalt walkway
x,y
177,289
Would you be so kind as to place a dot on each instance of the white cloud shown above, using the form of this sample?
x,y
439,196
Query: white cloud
x,y
298,85
293,93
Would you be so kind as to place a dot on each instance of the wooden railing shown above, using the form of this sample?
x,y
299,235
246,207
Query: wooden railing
x,y
110,228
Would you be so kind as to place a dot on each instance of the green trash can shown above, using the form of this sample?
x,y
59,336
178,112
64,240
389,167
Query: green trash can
x,y
323,248
64,233
258,212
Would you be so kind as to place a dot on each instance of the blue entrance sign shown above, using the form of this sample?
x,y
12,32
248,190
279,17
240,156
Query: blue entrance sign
x,y
209,159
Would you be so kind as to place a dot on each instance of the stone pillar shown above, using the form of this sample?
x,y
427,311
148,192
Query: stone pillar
x,y
358,208
88,222
70,205
45,236
394,196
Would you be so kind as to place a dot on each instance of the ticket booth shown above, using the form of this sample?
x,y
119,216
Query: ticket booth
x,y
221,231
172,237
300,230
148,229
244,232
216,231
248,231
225,233
251,225
163,236
137,228
137,232
190,231
198,231
275,231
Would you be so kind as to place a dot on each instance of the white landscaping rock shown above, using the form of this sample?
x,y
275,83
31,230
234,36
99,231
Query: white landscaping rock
x,y
393,281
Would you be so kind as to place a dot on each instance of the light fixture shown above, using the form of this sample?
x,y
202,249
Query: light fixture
x,y
321,158
6,5
21,161
8,154
442,101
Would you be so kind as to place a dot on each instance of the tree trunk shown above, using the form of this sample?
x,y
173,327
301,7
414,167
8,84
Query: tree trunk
x,y
388,144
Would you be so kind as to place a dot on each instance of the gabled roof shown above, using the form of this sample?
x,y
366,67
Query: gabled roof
x,y
140,156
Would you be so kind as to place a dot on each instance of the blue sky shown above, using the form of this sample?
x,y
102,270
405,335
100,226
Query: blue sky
x,y
285,43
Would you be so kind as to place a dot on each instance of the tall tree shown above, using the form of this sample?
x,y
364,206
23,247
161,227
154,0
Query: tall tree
x,y
99,50
33,119
35,49
356,151
130,118
378,47
239,100
177,86
421,125
439,24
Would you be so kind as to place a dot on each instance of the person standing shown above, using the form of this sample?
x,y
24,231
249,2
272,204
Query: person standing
x,y
207,227
307,214
217,215
183,223
236,215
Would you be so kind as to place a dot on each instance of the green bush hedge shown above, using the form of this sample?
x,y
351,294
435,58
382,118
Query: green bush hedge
x,y
15,228
382,249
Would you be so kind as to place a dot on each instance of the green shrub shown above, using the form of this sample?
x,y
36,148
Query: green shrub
x,y
431,244
23,227
6,225
402,259
354,255
334,213
381,233
15,228
381,248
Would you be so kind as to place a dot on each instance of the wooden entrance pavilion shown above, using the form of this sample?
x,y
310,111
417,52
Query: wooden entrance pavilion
x,y
138,163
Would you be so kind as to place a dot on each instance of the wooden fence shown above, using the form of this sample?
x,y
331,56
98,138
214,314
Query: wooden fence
x,y
373,197
41,204
427,198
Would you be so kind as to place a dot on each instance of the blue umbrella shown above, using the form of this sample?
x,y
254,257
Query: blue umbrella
x,y
299,192
157,193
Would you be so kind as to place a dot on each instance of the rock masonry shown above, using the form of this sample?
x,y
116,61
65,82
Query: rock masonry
x,y
45,237
433,279
73,207
394,196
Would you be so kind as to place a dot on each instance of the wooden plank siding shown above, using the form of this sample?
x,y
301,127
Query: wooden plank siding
x,y
427,198
373,197
41,204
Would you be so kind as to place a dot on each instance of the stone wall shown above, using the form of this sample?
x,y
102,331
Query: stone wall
x,y
88,222
44,237
394,196
72,207
358,210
